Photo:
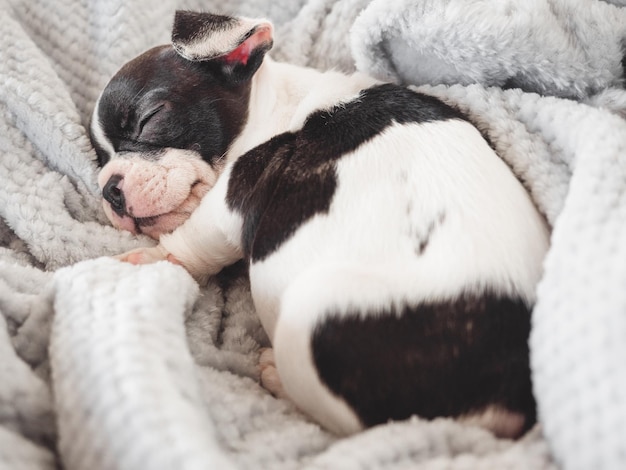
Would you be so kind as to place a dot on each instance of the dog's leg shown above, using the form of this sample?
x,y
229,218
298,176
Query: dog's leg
x,y
208,241
349,360
147,255
303,307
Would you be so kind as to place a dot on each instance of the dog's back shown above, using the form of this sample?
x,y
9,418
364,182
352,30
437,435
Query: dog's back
x,y
394,259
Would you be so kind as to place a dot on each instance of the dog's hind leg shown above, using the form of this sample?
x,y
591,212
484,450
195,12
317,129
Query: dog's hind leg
x,y
304,307
353,348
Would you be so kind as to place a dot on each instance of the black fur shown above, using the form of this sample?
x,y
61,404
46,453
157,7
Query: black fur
x,y
282,183
445,358
162,100
190,25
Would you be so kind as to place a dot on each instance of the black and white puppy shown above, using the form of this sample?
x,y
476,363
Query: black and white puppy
x,y
393,256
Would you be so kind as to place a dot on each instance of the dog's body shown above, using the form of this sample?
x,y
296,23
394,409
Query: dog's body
x,y
393,256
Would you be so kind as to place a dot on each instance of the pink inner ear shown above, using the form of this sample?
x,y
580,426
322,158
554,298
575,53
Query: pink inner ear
x,y
241,54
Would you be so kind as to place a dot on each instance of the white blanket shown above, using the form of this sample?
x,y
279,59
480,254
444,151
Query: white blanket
x,y
105,365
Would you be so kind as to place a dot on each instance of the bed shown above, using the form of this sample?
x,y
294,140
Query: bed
x,y
105,365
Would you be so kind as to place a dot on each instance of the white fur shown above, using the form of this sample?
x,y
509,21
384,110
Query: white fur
x,y
477,190
283,95
97,132
201,48
437,179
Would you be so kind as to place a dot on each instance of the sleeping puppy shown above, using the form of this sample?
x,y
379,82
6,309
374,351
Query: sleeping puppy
x,y
393,256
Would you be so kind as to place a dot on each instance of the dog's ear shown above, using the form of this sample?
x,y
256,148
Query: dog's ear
x,y
234,47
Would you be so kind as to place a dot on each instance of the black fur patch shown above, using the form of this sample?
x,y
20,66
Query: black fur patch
x,y
161,100
190,25
435,359
284,182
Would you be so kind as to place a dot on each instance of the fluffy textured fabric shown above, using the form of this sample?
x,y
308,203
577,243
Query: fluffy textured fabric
x,y
107,365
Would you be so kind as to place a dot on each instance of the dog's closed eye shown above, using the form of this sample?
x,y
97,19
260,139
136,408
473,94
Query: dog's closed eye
x,y
154,126
145,119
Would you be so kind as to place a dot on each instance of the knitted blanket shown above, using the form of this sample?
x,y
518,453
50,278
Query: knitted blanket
x,y
105,365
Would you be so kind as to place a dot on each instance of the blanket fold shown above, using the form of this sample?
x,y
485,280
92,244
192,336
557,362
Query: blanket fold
x,y
106,365
129,353
547,47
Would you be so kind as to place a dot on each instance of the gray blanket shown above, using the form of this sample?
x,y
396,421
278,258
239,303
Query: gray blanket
x,y
105,365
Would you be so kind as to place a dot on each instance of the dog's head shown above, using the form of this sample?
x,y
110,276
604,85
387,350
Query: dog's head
x,y
164,122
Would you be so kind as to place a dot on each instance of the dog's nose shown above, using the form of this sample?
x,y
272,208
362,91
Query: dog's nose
x,y
114,195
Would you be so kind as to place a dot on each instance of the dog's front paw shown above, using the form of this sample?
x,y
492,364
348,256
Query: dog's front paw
x,y
147,256
269,374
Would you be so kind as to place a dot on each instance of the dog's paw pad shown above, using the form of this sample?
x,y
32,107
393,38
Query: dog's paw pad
x,y
270,380
266,358
146,256
135,258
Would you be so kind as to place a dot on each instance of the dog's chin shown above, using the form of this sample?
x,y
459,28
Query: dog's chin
x,y
154,225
